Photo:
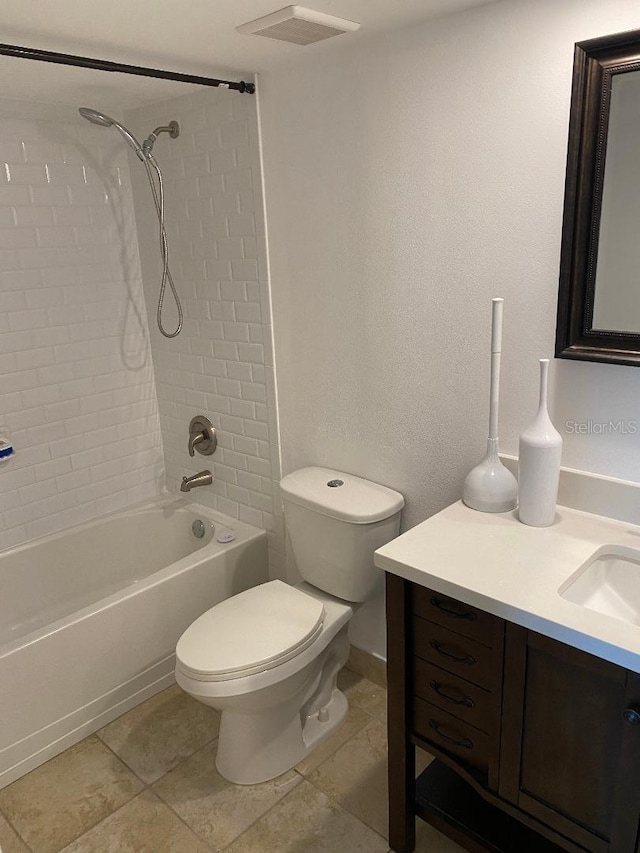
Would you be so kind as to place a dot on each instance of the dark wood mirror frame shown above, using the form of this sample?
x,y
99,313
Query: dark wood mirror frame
x,y
595,63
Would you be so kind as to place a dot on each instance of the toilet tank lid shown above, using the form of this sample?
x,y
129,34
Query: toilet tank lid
x,y
341,495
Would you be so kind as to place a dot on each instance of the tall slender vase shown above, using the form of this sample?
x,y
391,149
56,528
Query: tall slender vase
x,y
539,463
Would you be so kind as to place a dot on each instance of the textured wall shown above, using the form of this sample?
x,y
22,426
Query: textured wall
x,y
76,386
409,181
222,363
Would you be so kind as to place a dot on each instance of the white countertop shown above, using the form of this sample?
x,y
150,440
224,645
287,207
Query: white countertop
x,y
495,563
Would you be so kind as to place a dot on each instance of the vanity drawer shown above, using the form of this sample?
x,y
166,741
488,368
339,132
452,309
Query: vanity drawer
x,y
459,617
451,734
450,693
453,653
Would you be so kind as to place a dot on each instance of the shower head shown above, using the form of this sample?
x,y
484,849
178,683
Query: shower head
x,y
96,117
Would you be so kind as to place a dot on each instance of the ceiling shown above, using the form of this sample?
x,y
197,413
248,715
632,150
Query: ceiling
x,y
113,92
194,36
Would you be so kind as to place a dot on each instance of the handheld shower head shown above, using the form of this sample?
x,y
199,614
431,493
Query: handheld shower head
x,y
144,153
96,117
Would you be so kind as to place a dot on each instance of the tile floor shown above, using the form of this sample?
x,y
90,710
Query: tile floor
x,y
147,783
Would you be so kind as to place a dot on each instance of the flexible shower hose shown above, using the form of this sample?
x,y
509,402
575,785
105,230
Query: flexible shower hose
x,y
158,199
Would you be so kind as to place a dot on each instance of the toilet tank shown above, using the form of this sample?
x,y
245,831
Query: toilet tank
x,y
335,522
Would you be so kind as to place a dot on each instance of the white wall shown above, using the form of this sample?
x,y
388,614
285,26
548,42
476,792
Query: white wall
x,y
76,378
408,181
221,365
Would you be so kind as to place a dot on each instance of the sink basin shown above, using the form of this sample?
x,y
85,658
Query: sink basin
x,y
608,582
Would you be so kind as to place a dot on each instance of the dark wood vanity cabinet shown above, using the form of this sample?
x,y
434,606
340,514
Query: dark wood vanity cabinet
x,y
537,744
457,677
569,757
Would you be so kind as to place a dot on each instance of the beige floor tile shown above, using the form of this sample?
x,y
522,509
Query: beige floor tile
x,y
214,808
365,694
9,841
63,798
429,840
157,735
306,820
145,825
423,760
356,776
356,720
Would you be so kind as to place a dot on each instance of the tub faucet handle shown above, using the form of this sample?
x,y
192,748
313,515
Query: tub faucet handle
x,y
195,439
202,436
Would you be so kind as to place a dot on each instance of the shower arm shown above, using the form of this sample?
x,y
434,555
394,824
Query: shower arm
x,y
173,129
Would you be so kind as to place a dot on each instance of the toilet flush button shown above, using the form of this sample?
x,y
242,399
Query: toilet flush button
x,y
226,536
333,484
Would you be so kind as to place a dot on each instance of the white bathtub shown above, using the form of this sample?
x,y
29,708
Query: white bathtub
x,y
89,618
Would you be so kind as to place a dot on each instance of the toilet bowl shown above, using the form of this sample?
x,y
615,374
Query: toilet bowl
x,y
268,658
274,712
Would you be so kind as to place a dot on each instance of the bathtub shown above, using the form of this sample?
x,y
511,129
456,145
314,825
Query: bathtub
x,y
89,618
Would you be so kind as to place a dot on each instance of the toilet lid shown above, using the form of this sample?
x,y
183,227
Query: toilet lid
x,y
250,632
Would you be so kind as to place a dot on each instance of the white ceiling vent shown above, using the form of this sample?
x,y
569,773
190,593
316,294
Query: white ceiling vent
x,y
298,25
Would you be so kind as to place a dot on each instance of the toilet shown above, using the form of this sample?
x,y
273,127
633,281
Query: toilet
x,y
268,658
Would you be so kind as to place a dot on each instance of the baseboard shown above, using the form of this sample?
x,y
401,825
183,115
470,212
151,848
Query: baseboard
x,y
368,666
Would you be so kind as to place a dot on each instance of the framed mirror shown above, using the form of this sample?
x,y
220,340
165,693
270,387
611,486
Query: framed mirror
x,y
599,292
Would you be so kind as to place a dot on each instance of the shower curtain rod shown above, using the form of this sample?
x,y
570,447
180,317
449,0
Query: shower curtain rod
x,y
106,65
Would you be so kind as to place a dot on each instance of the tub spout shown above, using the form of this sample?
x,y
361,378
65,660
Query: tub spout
x,y
202,478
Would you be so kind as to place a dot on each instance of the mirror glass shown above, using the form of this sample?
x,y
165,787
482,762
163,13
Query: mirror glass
x,y
616,304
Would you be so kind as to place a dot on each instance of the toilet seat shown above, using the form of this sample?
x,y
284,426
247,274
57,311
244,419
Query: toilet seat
x,y
254,631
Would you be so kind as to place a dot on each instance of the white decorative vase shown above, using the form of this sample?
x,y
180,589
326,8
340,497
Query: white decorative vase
x,y
539,463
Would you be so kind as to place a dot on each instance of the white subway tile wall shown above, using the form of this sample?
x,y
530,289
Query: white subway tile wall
x,y
222,363
77,387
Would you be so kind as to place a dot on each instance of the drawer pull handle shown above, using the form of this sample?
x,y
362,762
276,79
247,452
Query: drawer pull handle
x,y
464,659
631,716
468,614
464,742
463,700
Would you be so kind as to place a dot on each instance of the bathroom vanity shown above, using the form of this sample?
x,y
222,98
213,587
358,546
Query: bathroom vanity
x,y
508,661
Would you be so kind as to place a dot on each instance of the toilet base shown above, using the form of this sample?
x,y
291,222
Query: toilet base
x,y
270,736
254,748
323,723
